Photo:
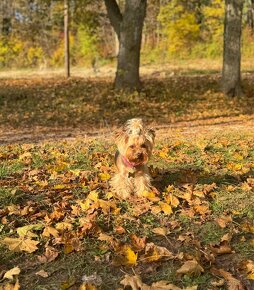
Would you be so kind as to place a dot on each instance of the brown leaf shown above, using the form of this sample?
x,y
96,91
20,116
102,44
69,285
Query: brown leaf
x,y
222,248
191,267
42,273
136,283
161,231
233,283
138,243
223,221
50,255
155,253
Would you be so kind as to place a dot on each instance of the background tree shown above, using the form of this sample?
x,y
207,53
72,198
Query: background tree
x,y
66,38
231,73
128,26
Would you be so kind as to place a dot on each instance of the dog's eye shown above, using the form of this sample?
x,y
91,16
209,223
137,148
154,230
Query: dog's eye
x,y
143,146
132,146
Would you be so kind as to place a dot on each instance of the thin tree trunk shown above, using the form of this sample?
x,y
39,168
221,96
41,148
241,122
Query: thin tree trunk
x,y
66,39
250,15
231,74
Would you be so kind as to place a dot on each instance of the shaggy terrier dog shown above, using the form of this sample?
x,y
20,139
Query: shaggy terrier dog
x,y
135,144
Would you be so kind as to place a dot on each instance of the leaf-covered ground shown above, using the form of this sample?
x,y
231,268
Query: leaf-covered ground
x,y
50,107
61,226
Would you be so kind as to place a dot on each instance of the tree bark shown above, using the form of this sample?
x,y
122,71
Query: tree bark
x,y
231,74
128,27
250,15
66,39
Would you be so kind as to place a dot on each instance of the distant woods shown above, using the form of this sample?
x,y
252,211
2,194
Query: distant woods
x,y
154,31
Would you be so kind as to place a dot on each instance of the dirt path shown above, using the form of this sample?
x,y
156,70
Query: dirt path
x,y
188,128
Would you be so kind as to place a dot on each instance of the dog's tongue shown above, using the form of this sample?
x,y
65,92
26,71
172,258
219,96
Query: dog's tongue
x,y
129,163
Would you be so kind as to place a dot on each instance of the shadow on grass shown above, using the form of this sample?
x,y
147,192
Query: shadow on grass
x,y
94,104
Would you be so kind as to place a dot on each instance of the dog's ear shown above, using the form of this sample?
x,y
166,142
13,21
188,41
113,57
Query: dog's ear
x,y
150,134
121,138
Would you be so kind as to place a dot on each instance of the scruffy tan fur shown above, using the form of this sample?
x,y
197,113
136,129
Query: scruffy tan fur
x,y
135,144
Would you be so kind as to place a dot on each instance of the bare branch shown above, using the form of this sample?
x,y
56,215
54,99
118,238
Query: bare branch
x,y
114,15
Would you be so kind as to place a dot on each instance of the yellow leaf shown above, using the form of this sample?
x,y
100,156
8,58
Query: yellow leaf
x,y
23,231
13,272
251,276
126,256
87,287
172,200
104,176
131,257
50,231
59,186
150,195
93,195
20,244
68,249
166,208
64,226
85,205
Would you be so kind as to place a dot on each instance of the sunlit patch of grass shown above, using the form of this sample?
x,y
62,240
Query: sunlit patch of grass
x,y
10,196
210,233
8,168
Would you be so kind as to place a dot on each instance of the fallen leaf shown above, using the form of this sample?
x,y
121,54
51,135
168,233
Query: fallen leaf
x,y
21,244
163,231
13,272
64,226
233,283
191,267
42,273
50,255
50,231
166,208
155,253
223,221
223,248
126,256
23,231
138,243
136,283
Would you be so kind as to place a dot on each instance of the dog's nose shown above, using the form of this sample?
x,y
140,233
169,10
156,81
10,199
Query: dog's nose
x,y
140,154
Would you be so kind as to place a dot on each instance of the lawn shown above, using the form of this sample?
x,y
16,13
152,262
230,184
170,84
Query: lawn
x,y
61,226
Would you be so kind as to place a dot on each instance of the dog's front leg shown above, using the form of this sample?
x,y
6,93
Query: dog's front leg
x,y
122,185
142,182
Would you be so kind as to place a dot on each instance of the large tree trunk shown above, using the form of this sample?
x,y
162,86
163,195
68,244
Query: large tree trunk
x,y
231,74
128,27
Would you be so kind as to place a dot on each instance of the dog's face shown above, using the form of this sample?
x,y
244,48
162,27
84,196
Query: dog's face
x,y
136,147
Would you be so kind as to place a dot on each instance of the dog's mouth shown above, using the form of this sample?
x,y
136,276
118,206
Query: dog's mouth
x,y
137,160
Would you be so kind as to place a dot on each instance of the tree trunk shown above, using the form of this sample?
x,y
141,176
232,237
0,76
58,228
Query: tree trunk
x,y
128,27
250,15
66,39
6,14
231,74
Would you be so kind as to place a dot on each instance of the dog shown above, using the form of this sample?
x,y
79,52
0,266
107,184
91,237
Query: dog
x,y
134,148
